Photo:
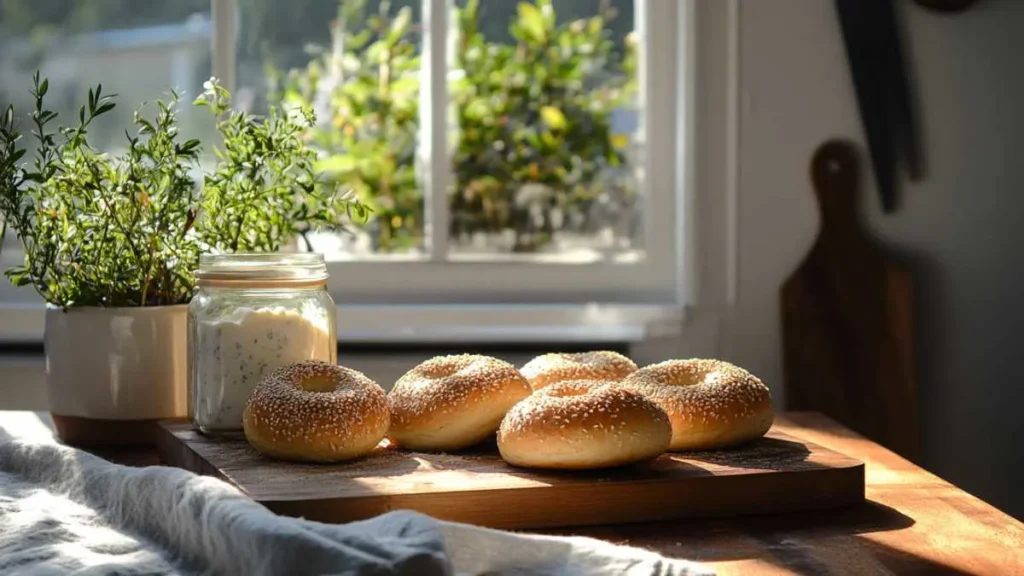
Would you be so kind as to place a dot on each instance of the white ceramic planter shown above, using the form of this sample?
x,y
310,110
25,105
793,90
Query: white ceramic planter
x,y
115,364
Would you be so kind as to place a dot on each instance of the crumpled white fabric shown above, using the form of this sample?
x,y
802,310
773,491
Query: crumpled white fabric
x,y
64,511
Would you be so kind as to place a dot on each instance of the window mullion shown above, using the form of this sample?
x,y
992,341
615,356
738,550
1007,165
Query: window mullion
x,y
222,43
435,155
657,31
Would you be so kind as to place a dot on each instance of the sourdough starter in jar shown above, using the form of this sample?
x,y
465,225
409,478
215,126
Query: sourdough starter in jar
x,y
242,328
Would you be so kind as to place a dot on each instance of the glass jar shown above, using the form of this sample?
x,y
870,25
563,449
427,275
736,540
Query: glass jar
x,y
251,314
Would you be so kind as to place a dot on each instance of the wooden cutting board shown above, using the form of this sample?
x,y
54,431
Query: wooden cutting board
x,y
779,473
847,318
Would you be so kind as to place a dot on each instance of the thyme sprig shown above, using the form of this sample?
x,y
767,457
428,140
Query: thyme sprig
x,y
127,230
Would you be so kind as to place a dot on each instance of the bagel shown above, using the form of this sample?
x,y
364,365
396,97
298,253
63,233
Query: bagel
x,y
583,424
557,367
315,411
453,402
711,403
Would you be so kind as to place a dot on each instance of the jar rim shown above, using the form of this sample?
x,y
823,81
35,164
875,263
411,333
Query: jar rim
x,y
260,269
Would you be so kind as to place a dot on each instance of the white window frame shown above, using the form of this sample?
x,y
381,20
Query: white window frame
x,y
506,298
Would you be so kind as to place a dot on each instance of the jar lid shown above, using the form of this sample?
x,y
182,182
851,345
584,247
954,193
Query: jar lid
x,y
262,270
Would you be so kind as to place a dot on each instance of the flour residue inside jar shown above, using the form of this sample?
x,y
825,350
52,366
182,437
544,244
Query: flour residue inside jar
x,y
237,349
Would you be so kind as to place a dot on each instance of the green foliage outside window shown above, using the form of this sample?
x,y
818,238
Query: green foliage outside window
x,y
370,130
534,146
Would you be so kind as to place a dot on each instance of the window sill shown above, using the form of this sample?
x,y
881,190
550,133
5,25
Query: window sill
x,y
592,323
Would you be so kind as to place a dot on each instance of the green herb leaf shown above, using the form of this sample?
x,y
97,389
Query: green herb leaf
x,y
532,22
127,230
399,26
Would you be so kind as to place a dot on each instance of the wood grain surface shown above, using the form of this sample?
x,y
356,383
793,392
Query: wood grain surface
x,y
778,473
912,522
847,319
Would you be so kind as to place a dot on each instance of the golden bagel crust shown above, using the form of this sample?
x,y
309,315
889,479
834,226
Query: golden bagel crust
x,y
583,424
315,411
453,402
558,367
711,403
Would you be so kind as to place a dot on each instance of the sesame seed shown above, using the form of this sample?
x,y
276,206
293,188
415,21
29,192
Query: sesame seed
x,y
464,388
601,365
702,395
285,408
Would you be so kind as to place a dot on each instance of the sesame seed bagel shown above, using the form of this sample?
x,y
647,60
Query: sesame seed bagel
x,y
453,402
603,365
315,411
712,404
583,424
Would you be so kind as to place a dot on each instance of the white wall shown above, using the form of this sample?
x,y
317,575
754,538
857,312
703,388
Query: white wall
x,y
964,223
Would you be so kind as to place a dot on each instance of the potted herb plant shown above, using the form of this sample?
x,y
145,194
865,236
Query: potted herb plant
x,y
112,241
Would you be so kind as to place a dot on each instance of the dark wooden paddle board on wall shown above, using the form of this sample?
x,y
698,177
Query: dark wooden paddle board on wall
x,y
847,318
780,473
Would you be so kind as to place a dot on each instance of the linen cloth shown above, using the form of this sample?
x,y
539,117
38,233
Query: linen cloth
x,y
64,511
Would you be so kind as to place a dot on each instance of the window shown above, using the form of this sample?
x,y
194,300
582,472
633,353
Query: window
x,y
520,157
138,50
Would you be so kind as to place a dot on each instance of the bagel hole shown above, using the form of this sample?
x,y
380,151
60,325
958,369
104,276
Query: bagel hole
x,y
713,377
318,384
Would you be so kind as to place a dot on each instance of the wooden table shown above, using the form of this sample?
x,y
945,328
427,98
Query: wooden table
x,y
912,523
